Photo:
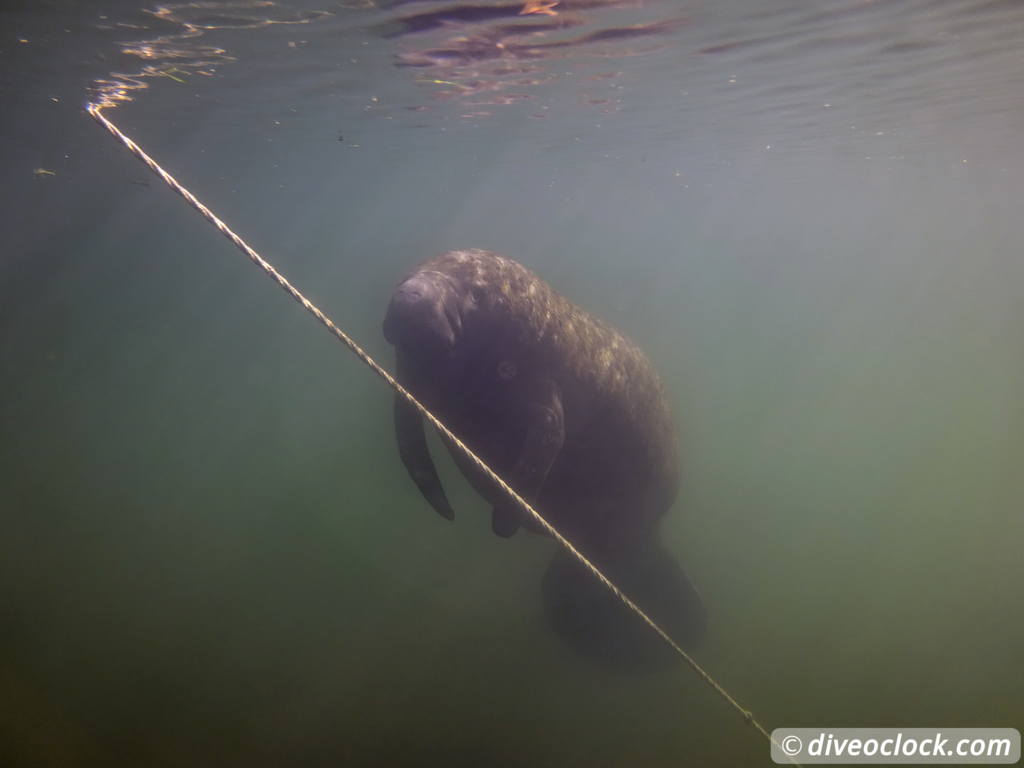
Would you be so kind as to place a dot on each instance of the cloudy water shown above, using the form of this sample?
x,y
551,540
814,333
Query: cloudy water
x,y
808,214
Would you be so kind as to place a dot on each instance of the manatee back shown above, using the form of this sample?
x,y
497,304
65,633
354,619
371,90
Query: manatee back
x,y
573,344
612,394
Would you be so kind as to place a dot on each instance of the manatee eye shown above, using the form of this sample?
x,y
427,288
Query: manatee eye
x,y
506,369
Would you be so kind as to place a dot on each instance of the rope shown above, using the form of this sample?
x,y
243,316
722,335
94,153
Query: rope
x,y
345,339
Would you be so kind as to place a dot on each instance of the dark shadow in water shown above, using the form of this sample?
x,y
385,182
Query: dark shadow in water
x,y
479,50
500,43
595,623
455,14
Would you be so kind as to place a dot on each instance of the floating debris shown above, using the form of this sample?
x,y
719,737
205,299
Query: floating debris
x,y
543,7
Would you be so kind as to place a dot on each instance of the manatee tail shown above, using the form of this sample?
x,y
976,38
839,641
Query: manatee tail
x,y
594,622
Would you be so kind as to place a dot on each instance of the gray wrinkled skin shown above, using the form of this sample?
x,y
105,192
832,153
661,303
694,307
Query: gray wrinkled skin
x,y
571,414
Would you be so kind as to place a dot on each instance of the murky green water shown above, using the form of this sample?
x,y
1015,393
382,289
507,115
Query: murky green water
x,y
810,218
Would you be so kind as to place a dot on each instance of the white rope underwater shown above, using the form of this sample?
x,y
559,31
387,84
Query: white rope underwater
x,y
96,112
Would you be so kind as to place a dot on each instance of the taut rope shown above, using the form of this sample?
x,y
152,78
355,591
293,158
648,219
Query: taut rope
x,y
345,339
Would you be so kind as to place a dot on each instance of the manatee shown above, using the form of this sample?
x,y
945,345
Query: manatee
x,y
572,415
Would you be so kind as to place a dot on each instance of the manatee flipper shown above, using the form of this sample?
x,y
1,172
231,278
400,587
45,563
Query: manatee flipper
x,y
504,521
545,435
412,447
595,623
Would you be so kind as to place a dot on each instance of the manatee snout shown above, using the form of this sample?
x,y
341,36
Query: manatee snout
x,y
419,321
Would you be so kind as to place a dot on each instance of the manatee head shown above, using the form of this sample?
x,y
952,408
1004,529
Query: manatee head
x,y
424,319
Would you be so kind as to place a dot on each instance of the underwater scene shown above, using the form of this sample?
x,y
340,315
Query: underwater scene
x,y
730,294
